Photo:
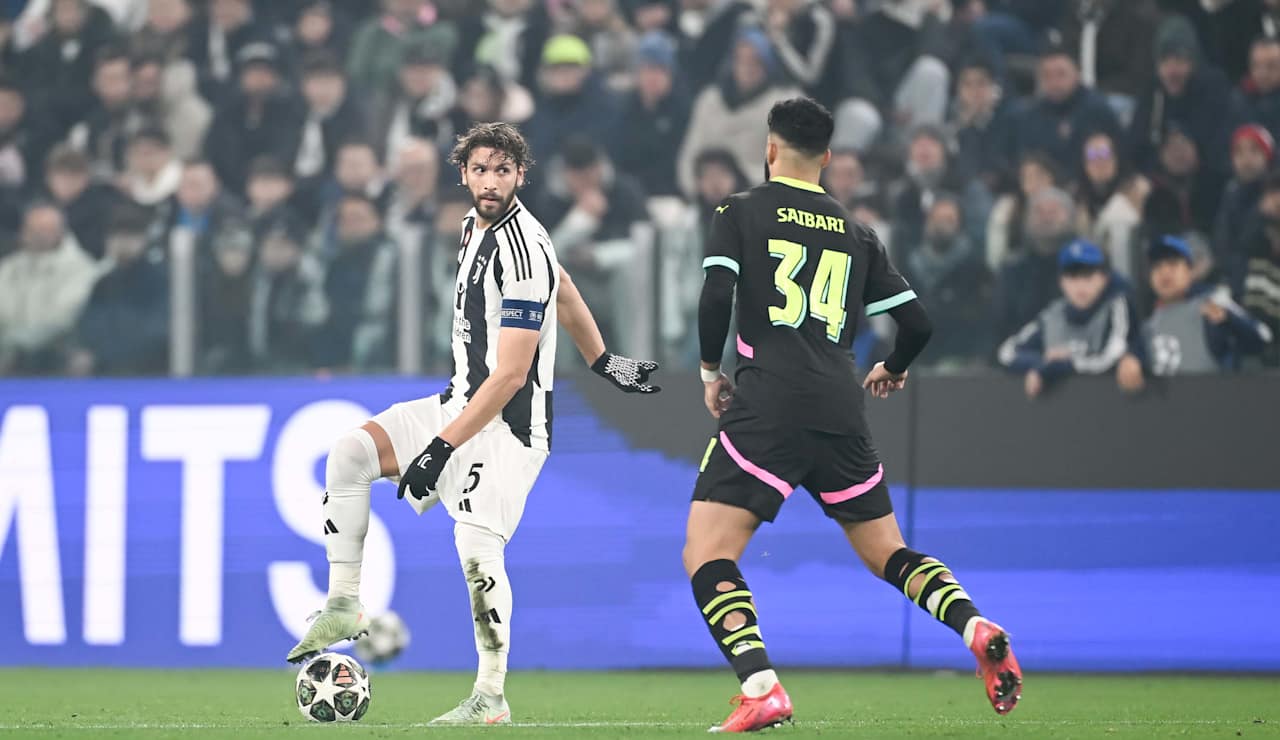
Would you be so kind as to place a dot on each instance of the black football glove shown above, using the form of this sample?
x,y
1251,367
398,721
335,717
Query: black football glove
x,y
424,472
628,375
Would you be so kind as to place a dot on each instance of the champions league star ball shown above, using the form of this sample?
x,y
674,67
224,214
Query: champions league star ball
x,y
387,637
332,687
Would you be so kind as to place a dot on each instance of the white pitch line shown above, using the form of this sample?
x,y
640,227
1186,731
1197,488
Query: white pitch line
x,y
617,724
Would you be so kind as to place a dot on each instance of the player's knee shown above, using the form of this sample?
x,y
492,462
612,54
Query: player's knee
x,y
477,545
353,460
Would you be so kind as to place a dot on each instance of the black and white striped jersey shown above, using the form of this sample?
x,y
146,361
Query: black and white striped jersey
x,y
508,276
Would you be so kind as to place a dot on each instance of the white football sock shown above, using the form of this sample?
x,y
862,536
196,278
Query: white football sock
x,y
759,683
484,566
349,472
969,627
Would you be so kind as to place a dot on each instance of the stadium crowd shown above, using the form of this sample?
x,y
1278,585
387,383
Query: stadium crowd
x,y
1071,186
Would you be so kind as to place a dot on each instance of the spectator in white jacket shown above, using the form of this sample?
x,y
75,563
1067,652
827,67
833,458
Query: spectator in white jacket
x,y
43,288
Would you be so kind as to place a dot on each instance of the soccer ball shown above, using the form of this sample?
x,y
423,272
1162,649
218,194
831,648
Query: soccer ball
x,y
387,637
332,687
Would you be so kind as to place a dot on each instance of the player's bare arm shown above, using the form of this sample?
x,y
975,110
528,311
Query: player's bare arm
x,y
626,374
516,348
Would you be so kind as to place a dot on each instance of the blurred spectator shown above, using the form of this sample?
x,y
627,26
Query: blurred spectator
x,y
844,177
357,173
590,212
652,15
58,68
24,140
1005,236
571,99
1184,194
219,41
104,132
1014,26
983,121
124,329
442,267
380,43
418,108
288,304
1252,152
484,97
1193,330
411,211
360,290
167,97
1063,114
153,172
334,115
613,43
709,31
1113,39
928,172
509,36
1260,91
803,33
1262,279
224,293
86,205
1110,199
654,115
264,117
211,215
43,287
167,32
893,72
319,28
732,113
1028,282
1090,330
1186,91
270,192
949,274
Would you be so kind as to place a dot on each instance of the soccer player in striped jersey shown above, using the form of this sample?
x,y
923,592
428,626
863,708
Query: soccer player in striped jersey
x,y
804,271
478,446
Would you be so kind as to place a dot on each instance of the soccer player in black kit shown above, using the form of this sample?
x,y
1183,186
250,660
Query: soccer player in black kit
x,y
804,272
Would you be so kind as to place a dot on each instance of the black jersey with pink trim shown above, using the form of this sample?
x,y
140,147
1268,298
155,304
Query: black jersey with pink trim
x,y
806,274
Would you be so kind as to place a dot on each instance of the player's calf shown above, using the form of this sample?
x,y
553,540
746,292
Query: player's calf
x,y
730,613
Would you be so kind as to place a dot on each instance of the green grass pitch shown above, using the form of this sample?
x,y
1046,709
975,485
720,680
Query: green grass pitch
x,y
93,703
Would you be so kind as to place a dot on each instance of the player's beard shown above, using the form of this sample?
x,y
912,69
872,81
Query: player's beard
x,y
492,209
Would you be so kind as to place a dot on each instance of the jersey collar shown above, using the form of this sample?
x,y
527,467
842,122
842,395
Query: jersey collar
x,y
798,184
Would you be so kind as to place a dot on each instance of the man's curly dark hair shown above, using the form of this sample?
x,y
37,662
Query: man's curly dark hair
x,y
501,137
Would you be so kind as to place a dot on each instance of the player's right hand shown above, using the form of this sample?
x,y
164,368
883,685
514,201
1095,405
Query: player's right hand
x,y
423,473
880,382
718,394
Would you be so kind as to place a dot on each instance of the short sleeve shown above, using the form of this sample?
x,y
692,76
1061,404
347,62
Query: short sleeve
x,y
724,243
886,289
526,276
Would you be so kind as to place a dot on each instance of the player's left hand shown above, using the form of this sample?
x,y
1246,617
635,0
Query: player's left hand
x,y
424,472
626,374
718,395
881,382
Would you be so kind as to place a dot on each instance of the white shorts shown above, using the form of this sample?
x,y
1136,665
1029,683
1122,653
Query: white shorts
x,y
485,482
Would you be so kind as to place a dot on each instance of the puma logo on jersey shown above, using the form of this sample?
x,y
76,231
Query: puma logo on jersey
x,y
810,220
723,208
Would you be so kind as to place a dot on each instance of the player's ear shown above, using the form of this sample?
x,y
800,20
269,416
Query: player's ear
x,y
826,159
519,177
462,172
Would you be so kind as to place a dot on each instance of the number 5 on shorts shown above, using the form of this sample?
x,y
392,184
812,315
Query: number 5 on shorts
x,y
473,482
825,299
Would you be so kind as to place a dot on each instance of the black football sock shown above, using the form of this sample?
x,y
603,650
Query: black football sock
x,y
720,591
935,589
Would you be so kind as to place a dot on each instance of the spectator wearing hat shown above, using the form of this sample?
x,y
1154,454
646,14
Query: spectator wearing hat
x,y
1090,329
1187,91
1262,275
334,115
287,303
381,41
804,34
507,35
217,44
571,99
1252,152
655,116
1063,113
43,288
1193,330
982,118
263,118
1028,279
930,171
1259,94
87,205
124,329
419,105
732,113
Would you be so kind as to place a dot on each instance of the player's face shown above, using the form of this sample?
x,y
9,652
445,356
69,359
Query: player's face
x,y
1083,290
1170,279
493,179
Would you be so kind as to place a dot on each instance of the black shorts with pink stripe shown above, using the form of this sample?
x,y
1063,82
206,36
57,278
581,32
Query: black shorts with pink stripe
x,y
755,465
